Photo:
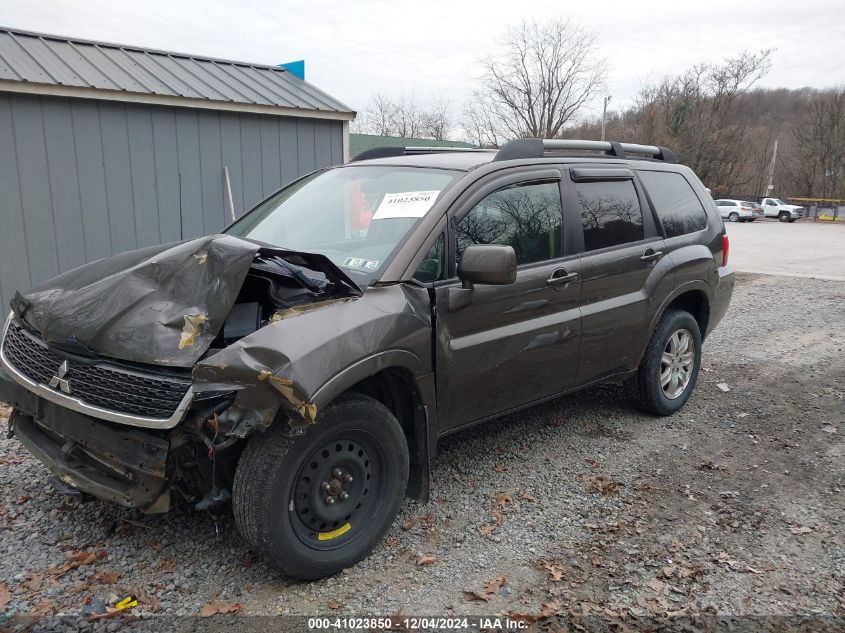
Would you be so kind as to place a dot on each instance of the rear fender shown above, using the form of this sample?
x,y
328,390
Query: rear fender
x,y
677,292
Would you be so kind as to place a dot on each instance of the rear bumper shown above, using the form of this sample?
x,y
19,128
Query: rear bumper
x,y
124,466
722,293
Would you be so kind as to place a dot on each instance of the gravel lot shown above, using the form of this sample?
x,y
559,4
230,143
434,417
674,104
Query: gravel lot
x,y
733,506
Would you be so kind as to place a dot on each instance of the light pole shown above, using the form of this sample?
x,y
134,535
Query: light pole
x,y
604,114
770,178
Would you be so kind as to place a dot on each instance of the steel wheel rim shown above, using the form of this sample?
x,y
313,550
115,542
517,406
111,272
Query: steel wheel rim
x,y
349,469
676,363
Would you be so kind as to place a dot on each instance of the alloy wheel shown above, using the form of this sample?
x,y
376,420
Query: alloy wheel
x,y
677,363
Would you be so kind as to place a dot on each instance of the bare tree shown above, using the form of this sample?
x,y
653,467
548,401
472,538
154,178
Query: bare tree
x,y
818,162
696,113
479,125
408,120
437,120
807,123
547,72
377,117
405,117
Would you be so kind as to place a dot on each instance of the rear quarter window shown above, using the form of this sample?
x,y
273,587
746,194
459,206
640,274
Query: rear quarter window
x,y
678,207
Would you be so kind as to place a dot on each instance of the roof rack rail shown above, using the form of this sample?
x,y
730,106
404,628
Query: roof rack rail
x,y
537,148
388,151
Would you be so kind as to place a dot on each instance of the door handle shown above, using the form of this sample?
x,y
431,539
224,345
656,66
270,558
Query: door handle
x,y
560,277
651,255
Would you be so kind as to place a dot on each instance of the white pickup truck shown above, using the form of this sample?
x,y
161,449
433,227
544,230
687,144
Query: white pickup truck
x,y
777,208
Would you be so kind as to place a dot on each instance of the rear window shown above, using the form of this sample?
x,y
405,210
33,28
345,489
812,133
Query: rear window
x,y
610,213
675,202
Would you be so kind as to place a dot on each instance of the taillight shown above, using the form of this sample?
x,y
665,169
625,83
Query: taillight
x,y
726,246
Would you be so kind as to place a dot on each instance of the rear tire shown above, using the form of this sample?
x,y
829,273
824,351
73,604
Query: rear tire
x,y
733,217
356,454
668,354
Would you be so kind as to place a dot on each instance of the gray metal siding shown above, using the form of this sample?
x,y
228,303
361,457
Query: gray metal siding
x,y
83,179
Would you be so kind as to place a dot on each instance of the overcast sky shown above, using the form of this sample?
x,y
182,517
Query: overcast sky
x,y
356,47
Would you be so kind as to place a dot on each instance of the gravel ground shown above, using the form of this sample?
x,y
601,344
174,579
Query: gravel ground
x,y
733,506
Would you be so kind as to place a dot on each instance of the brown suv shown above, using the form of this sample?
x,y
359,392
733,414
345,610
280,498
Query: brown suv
x,y
304,364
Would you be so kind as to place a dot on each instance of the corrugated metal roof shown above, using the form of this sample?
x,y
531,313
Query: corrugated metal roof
x,y
37,58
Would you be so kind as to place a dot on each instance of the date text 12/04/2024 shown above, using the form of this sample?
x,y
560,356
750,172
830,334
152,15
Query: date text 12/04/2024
x,y
417,623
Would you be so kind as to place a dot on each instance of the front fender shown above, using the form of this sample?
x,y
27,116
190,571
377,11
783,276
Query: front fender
x,y
300,364
366,367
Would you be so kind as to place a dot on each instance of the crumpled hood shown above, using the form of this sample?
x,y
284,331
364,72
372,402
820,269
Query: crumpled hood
x,y
162,304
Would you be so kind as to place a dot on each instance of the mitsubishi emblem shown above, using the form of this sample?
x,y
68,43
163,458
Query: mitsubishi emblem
x,y
58,381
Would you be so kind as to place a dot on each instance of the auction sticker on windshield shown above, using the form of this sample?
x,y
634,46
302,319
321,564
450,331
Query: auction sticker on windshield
x,y
408,204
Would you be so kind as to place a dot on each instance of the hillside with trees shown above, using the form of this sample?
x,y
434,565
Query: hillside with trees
x,y
728,139
545,74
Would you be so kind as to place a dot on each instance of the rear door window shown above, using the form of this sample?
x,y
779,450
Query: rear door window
x,y
676,204
610,213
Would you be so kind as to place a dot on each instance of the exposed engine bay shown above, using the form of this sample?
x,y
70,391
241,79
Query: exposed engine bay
x,y
274,287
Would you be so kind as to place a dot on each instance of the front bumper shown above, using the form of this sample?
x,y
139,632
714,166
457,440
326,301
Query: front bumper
x,y
124,466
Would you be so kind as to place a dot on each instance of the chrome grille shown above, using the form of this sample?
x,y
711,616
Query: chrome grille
x,y
98,384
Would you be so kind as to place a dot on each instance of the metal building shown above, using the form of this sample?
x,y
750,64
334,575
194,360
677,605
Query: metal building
x,y
106,148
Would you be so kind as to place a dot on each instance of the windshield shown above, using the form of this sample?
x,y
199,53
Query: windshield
x,y
357,216
779,201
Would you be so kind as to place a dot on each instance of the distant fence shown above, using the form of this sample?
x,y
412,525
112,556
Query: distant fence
x,y
829,214
830,210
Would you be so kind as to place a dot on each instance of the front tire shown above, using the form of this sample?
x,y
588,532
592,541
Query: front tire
x,y
733,217
669,369
783,216
318,503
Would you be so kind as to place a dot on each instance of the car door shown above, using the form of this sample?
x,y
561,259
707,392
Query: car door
x,y
620,250
770,208
514,344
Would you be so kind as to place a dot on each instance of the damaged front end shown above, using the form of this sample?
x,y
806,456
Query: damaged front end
x,y
132,377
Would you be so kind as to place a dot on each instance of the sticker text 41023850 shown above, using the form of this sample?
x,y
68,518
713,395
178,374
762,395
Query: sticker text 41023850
x,y
408,204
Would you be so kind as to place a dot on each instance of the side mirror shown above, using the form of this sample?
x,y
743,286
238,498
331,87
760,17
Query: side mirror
x,y
487,264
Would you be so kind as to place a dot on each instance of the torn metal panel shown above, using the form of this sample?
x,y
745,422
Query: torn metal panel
x,y
161,305
124,466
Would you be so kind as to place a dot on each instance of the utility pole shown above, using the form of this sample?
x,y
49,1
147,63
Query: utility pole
x,y
604,114
770,180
